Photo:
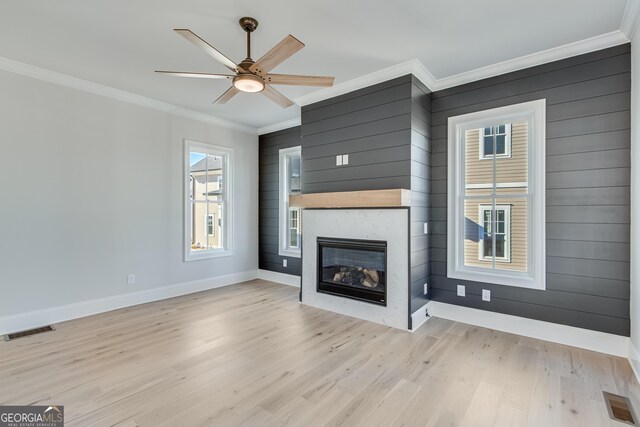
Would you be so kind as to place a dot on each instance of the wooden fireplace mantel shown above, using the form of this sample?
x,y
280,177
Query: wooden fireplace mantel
x,y
397,197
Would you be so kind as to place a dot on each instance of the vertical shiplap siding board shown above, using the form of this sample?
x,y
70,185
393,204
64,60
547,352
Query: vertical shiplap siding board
x,y
386,108
372,126
607,85
581,73
537,70
269,146
603,305
588,180
387,183
613,140
343,99
420,191
586,320
375,142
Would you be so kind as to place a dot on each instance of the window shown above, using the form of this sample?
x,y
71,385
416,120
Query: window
x,y
498,241
495,141
211,230
290,219
207,201
496,196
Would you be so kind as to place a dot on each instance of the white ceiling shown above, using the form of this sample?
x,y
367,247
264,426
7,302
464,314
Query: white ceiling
x,y
119,43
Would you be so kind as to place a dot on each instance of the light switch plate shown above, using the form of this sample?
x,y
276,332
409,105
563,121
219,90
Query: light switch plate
x,y
131,279
486,295
284,262
345,159
339,160
461,291
426,288
426,228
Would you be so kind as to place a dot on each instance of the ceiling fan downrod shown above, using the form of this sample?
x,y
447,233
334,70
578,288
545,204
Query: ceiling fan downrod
x,y
249,25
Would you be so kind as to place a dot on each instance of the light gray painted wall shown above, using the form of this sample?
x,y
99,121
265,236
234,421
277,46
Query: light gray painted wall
x,y
269,148
92,191
588,189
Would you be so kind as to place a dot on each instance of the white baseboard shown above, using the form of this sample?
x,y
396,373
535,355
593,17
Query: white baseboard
x,y
47,316
419,318
285,279
634,360
615,345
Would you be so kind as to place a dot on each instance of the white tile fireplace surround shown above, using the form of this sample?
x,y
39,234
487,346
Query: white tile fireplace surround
x,y
390,225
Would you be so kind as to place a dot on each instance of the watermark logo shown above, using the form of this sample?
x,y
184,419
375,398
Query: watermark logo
x,y
32,416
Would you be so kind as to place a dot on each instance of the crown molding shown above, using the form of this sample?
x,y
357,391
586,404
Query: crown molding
x,y
279,126
423,74
32,71
591,44
630,16
413,66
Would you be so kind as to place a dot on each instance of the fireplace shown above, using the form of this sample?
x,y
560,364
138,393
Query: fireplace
x,y
355,269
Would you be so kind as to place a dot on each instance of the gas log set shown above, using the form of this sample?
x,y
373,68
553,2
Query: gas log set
x,y
357,276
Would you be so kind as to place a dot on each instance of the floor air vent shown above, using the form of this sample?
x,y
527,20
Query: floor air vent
x,y
16,335
620,408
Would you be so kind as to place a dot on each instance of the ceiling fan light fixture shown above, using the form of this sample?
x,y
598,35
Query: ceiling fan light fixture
x,y
248,83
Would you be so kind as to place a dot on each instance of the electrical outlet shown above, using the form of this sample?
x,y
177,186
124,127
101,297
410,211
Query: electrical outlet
x,y
131,279
426,228
345,159
284,262
426,288
461,291
486,295
339,160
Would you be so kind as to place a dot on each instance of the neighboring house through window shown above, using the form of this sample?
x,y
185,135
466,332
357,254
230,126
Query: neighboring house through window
x,y
290,224
207,201
501,245
495,141
496,229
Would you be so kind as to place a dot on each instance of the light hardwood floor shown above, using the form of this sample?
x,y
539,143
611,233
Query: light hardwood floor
x,y
249,354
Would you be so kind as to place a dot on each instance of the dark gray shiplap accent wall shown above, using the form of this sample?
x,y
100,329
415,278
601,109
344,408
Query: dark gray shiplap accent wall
x,y
269,147
371,125
420,191
587,189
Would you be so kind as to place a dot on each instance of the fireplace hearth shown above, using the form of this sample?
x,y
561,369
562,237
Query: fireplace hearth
x,y
351,268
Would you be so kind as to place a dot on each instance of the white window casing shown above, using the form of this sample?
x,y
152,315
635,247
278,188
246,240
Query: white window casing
x,y
225,183
534,114
284,214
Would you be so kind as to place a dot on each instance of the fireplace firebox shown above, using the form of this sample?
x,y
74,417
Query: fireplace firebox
x,y
352,268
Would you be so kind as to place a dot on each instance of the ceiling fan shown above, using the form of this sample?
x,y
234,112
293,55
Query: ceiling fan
x,y
253,76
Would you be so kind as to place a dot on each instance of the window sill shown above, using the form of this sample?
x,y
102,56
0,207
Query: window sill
x,y
514,280
289,253
216,253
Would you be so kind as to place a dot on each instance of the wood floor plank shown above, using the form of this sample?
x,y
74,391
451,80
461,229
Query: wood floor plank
x,y
250,354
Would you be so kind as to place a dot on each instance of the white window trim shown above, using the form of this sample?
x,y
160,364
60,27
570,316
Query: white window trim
x,y
534,113
498,185
507,145
283,203
227,191
507,232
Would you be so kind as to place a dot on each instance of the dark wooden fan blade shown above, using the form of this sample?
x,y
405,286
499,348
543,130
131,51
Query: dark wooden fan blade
x,y
196,75
276,96
230,93
290,79
283,50
210,50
